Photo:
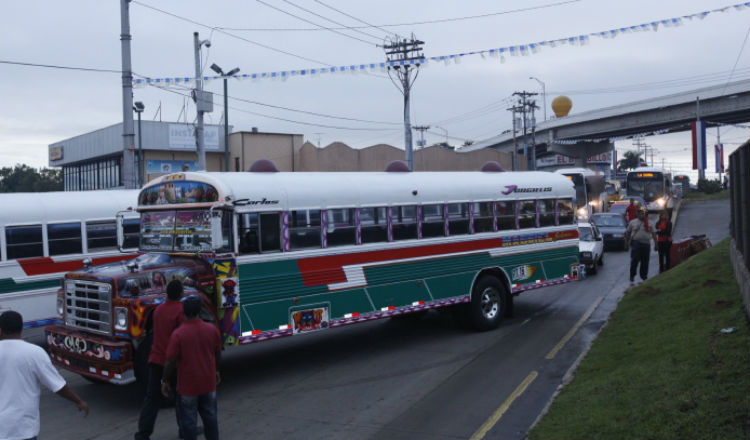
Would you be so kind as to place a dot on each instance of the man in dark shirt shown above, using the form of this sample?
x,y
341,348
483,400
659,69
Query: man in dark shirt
x,y
194,350
167,317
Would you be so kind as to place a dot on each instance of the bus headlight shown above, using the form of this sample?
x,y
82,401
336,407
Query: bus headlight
x,y
583,212
660,201
60,308
121,318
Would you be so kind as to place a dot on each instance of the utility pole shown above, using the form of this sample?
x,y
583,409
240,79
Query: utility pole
x,y
526,106
128,131
408,56
421,129
515,109
203,101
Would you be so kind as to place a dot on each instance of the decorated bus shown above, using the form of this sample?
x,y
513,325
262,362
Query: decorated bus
x,y
45,235
591,192
275,254
654,185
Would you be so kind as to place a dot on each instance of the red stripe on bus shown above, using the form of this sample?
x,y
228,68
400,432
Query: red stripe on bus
x,y
329,269
45,265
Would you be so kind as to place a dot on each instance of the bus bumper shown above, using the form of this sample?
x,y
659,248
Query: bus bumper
x,y
89,355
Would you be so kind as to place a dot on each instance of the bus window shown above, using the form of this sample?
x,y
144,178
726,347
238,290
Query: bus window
x,y
341,229
259,237
373,224
404,222
24,241
433,224
64,238
566,215
483,217
131,228
304,229
458,218
527,214
506,215
270,232
547,212
101,235
249,233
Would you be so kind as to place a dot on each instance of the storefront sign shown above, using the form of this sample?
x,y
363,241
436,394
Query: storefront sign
x,y
56,153
182,137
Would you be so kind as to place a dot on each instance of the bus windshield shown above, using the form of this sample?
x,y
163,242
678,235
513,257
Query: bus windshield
x,y
650,188
180,231
580,187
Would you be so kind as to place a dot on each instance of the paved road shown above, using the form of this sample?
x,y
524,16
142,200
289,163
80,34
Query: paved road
x,y
394,379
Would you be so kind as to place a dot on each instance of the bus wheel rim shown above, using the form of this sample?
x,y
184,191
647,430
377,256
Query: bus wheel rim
x,y
490,303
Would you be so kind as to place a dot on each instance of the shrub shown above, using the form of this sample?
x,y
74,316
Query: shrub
x,y
709,186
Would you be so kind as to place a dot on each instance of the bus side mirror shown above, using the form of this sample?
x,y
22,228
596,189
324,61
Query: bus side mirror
x,y
217,238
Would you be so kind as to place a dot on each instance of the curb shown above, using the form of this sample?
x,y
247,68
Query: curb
x,y
676,211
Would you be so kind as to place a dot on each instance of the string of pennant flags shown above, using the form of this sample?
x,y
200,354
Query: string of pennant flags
x,y
501,53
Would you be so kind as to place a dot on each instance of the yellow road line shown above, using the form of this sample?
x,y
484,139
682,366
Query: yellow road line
x,y
575,328
486,426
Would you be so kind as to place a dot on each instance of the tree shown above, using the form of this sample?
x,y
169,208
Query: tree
x,y
23,178
631,160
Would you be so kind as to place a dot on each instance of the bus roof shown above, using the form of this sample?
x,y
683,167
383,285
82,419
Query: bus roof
x,y
323,190
61,206
584,171
648,170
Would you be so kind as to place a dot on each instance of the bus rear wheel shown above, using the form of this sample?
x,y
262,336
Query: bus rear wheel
x,y
489,302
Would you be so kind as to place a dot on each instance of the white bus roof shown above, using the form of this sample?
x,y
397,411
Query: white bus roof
x,y
584,171
328,190
61,206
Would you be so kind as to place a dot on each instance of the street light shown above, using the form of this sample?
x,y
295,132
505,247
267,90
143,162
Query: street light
x,y
544,95
234,71
138,107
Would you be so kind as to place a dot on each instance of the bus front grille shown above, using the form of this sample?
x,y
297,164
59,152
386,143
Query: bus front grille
x,y
88,306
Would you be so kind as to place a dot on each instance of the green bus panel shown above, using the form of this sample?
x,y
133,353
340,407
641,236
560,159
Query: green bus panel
x,y
269,290
398,294
271,314
450,286
9,285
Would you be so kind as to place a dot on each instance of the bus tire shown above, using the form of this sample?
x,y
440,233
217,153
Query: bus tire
x,y
488,304
140,360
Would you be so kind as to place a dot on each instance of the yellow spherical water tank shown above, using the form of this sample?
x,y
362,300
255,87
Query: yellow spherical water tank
x,y
561,106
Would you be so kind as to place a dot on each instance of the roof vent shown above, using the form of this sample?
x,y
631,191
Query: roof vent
x,y
254,130
263,166
397,166
492,167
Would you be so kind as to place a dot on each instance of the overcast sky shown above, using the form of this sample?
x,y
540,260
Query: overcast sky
x,y
468,99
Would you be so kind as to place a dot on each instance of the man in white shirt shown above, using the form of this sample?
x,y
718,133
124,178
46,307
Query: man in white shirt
x,y
24,367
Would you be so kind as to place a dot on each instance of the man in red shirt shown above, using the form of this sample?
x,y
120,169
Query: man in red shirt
x,y
631,212
194,350
167,317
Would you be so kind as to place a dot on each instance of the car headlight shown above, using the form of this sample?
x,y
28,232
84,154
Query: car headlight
x,y
660,202
121,318
60,307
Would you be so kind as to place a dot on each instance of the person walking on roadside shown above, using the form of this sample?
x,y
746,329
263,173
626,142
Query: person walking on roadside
x,y
631,212
638,235
194,351
664,241
24,367
166,318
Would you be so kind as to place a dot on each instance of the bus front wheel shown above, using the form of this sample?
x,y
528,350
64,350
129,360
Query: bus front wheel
x,y
488,304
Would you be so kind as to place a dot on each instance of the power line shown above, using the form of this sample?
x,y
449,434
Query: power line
x,y
223,31
54,66
331,20
415,23
313,23
354,18
742,50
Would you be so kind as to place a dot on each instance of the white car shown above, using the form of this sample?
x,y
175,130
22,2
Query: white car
x,y
590,246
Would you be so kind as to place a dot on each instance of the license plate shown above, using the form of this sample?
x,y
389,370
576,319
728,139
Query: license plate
x,y
310,320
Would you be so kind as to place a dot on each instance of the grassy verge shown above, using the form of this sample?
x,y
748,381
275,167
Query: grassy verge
x,y
696,195
662,368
